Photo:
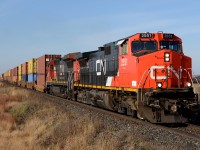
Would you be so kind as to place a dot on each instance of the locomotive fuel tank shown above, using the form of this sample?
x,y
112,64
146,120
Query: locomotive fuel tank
x,y
102,99
97,98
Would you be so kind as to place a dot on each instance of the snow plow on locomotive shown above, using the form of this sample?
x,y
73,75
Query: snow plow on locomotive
x,y
145,75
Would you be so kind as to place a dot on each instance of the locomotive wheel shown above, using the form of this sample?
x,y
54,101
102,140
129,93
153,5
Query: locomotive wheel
x,y
121,109
131,112
51,90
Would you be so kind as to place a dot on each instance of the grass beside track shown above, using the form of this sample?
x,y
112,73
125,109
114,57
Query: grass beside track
x,y
29,122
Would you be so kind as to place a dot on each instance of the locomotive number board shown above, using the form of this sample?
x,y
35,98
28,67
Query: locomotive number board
x,y
145,35
168,36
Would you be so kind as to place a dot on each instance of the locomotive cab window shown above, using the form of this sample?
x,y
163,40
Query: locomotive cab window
x,y
143,45
124,49
171,45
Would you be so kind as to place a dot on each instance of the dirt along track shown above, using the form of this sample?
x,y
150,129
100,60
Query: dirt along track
x,y
186,137
193,131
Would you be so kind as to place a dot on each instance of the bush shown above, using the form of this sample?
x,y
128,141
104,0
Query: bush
x,y
22,111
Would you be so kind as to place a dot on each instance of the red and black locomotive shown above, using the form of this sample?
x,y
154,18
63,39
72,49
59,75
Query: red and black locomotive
x,y
145,75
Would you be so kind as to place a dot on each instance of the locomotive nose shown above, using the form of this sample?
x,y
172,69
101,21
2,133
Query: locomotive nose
x,y
171,70
180,70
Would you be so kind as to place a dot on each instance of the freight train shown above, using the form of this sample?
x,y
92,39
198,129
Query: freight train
x,y
145,75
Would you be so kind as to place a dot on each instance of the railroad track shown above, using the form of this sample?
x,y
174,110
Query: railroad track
x,y
190,129
187,131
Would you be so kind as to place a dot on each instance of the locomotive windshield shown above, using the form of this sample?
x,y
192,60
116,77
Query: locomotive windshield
x,y
172,45
144,45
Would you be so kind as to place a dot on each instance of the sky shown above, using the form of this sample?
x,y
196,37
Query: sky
x,y
32,28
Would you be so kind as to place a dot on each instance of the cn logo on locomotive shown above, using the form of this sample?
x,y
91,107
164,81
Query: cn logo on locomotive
x,y
152,72
100,66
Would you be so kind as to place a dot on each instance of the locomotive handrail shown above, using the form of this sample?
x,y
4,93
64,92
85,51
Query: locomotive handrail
x,y
70,81
149,70
189,74
143,76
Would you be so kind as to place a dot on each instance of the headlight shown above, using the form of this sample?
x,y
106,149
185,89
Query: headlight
x,y
159,84
174,108
188,84
166,57
166,54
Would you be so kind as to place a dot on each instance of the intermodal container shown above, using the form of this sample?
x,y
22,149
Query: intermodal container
x,y
25,77
11,75
7,73
15,74
32,78
42,67
32,66
8,78
25,68
14,79
15,71
19,72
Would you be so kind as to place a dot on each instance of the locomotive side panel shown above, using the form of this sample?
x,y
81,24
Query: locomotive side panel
x,y
186,64
51,71
76,70
99,66
84,72
103,65
97,69
83,62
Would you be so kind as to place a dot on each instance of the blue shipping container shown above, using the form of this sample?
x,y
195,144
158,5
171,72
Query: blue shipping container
x,y
24,77
32,77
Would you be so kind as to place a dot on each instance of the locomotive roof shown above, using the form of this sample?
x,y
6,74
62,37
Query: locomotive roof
x,y
140,33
